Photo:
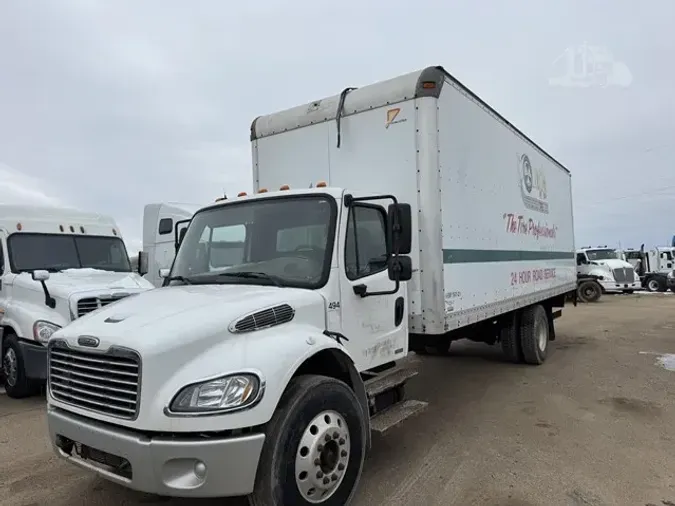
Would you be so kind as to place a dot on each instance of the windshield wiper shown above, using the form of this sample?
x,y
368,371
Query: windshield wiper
x,y
185,280
253,275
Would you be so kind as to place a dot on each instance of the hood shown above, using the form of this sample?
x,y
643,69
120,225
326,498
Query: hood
x,y
613,263
71,281
155,318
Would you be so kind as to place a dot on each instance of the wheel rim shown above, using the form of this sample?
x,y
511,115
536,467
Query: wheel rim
x,y
10,367
589,292
653,285
322,457
542,334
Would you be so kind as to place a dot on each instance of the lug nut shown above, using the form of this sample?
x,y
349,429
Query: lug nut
x,y
334,477
342,441
343,453
341,467
327,438
320,448
317,461
336,435
326,480
319,475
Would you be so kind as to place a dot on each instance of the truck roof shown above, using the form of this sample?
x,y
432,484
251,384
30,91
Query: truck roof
x,y
45,220
381,94
332,191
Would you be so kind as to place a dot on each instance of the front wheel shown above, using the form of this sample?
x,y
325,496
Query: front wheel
x,y
17,385
315,446
656,285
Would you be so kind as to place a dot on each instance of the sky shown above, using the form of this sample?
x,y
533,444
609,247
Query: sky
x,y
107,106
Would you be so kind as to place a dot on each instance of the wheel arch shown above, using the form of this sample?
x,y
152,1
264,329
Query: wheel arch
x,y
335,363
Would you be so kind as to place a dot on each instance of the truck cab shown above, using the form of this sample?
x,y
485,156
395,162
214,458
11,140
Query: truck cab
x,y
233,342
56,266
163,223
655,267
613,272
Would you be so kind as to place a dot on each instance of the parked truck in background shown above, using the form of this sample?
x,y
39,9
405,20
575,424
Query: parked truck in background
x,y
613,272
56,265
404,214
654,267
163,222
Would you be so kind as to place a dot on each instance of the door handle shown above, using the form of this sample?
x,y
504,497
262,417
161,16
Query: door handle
x,y
399,306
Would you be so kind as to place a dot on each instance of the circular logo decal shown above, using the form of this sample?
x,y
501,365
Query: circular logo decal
x,y
527,173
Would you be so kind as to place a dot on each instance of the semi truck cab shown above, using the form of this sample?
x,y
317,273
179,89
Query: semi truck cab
x,y
614,273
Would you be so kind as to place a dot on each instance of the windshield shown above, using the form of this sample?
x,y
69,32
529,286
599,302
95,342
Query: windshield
x,y
283,241
601,254
52,252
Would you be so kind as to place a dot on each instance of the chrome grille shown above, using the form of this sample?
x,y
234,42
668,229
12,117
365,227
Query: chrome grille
x,y
265,318
106,382
90,304
623,274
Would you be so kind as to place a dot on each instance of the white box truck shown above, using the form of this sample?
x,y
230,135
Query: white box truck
x,y
56,265
403,212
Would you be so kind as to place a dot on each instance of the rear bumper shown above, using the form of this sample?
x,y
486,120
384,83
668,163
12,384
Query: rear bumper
x,y
172,465
34,360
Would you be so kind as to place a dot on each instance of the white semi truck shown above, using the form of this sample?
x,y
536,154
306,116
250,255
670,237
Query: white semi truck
x,y
654,267
613,272
402,214
56,265
163,223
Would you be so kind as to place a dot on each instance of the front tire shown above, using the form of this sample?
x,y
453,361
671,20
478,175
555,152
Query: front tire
x,y
315,446
17,385
534,334
589,291
656,285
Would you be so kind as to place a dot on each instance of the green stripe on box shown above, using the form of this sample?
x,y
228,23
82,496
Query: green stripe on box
x,y
479,256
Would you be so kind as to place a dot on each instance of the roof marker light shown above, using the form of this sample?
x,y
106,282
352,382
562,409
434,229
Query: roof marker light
x,y
321,184
262,190
242,194
284,187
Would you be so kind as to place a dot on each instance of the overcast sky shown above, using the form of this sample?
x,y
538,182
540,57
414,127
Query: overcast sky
x,y
109,105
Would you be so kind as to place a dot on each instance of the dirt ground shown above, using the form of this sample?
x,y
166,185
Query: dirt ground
x,y
594,426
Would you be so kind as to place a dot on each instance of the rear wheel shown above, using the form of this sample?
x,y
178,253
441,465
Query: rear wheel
x,y
534,334
315,446
509,337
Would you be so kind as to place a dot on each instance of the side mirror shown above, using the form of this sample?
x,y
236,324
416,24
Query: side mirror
x,y
164,273
400,268
142,263
40,275
399,223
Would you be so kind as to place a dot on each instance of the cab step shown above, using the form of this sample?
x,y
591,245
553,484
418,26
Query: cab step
x,y
388,380
394,415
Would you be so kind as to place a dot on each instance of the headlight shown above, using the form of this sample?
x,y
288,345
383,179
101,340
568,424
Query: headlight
x,y
43,330
228,393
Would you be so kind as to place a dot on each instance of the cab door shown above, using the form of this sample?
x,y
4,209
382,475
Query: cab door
x,y
377,325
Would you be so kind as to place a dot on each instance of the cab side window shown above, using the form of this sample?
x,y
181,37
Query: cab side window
x,y
581,259
366,241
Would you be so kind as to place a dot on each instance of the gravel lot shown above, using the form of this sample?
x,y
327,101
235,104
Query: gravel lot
x,y
594,426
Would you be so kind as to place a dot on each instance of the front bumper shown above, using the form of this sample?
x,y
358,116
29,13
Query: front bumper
x,y
609,285
171,465
34,360
670,283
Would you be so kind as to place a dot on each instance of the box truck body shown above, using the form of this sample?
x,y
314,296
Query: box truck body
x,y
492,211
